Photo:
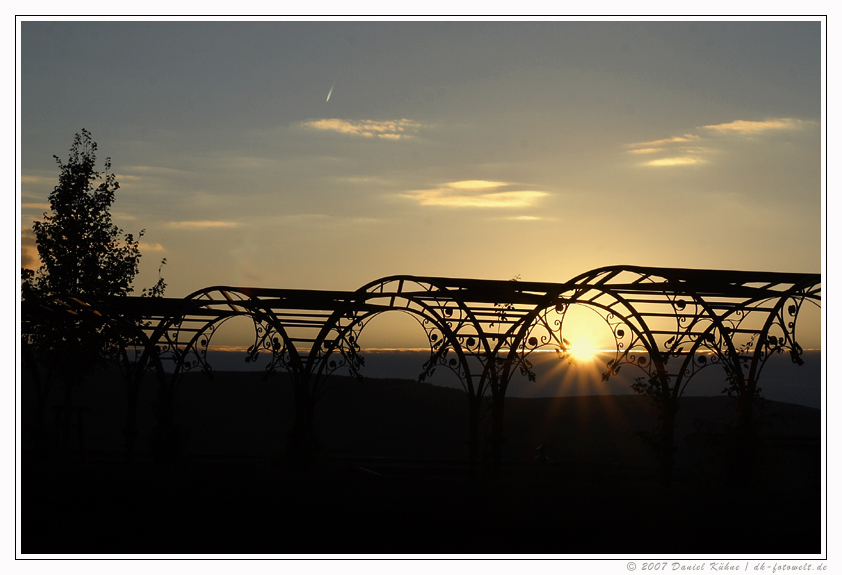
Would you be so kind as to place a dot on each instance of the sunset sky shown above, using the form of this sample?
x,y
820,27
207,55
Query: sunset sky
x,y
467,149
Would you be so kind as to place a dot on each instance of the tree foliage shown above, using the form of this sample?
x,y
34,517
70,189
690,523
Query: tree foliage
x,y
83,254
82,251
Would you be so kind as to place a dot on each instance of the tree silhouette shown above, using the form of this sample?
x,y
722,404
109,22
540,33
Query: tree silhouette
x,y
83,254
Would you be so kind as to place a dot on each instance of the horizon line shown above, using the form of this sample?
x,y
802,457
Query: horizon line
x,y
242,349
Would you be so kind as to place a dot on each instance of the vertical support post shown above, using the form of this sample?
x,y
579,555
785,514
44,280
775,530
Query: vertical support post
x,y
302,442
497,439
474,406
668,407
42,388
132,390
669,410
166,438
66,424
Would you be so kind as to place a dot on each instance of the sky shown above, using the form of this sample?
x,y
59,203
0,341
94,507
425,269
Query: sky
x,y
324,155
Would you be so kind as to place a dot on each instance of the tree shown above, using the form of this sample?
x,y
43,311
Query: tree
x,y
81,250
83,254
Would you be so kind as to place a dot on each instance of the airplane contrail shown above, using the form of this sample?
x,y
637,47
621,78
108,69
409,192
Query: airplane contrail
x,y
330,91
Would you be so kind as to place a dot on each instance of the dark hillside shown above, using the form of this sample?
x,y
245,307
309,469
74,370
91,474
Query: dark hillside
x,y
390,477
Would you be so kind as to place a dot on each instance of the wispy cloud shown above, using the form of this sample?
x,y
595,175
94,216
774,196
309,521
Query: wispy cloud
x,y
202,224
36,180
475,194
128,178
690,149
41,206
681,152
749,127
386,129
155,171
123,216
475,185
657,143
676,161
646,150
28,249
147,247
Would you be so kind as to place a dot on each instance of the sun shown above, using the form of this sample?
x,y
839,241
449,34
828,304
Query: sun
x,y
584,333
583,349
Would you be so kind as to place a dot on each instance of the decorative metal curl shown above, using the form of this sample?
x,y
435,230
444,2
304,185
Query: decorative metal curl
x,y
268,339
343,352
179,354
542,333
784,340
441,350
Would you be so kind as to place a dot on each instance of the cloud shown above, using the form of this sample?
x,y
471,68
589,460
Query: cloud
x,y
475,194
683,154
475,185
38,180
749,127
202,224
657,143
128,177
646,150
147,247
35,206
29,249
687,154
386,129
677,161
153,170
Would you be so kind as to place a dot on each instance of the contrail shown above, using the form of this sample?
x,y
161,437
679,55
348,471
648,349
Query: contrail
x,y
330,91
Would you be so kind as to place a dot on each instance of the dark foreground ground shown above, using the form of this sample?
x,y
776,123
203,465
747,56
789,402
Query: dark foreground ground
x,y
390,477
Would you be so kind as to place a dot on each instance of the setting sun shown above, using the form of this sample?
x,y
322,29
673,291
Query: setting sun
x,y
583,349
585,332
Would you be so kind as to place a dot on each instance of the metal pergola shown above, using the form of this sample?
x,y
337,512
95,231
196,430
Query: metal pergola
x,y
667,322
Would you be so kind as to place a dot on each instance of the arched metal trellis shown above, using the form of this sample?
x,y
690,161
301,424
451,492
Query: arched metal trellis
x,y
667,322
